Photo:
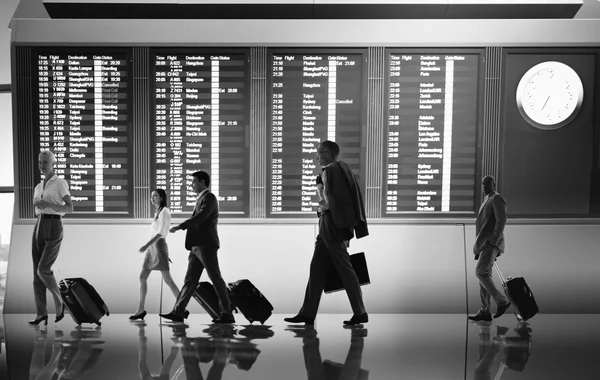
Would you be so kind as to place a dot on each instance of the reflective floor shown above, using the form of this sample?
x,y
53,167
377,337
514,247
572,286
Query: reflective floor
x,y
389,347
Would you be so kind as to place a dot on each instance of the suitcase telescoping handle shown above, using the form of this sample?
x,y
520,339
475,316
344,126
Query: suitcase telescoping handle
x,y
499,273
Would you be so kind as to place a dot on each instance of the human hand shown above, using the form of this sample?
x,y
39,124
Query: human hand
x,y
42,203
143,248
173,229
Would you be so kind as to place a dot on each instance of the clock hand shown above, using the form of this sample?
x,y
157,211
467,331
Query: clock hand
x,y
546,102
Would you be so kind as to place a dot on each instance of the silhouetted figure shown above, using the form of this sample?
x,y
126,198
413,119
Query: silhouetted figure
x,y
341,215
156,251
202,240
489,244
52,200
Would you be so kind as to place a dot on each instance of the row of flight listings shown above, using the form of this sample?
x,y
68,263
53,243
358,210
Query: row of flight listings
x,y
201,118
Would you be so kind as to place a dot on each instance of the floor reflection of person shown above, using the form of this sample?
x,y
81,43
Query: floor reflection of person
x,y
165,371
490,351
71,358
204,350
38,368
317,369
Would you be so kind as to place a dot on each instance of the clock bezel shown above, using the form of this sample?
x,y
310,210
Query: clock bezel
x,y
557,66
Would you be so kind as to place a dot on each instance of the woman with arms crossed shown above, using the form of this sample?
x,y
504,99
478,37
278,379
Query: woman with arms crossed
x,y
52,200
157,252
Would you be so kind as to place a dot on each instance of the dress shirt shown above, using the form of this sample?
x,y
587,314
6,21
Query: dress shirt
x,y
324,203
162,224
54,191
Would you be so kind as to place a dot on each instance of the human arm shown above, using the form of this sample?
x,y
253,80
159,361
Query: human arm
x,y
499,207
63,193
206,208
162,227
325,187
66,208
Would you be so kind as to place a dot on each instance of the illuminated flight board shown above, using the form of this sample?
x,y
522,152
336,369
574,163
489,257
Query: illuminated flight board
x,y
83,117
201,115
431,141
315,96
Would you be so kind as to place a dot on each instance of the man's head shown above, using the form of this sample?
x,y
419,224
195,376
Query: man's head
x,y
488,184
327,152
46,160
200,181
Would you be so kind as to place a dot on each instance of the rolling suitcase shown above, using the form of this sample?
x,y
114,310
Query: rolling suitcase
x,y
206,296
83,301
250,301
520,296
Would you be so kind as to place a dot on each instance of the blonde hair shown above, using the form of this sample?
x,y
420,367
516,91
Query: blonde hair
x,y
49,154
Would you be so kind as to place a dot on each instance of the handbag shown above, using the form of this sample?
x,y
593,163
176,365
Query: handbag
x,y
333,282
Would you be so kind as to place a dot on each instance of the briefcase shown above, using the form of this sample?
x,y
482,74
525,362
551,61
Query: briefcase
x,y
333,283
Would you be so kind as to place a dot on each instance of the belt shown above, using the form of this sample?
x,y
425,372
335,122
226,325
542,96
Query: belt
x,y
50,216
321,213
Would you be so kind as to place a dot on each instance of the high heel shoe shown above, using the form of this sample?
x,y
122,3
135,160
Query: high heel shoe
x,y
38,320
138,316
61,315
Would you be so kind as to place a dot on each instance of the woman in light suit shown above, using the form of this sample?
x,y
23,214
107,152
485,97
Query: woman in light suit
x,y
156,251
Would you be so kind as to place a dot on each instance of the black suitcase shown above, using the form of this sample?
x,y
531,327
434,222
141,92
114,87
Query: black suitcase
x,y
250,301
206,296
333,282
520,295
83,301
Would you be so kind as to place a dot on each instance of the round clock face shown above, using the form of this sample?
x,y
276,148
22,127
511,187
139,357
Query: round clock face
x,y
549,95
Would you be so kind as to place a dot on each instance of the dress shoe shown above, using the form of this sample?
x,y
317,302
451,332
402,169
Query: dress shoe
x,y
61,315
138,316
299,319
172,316
38,320
501,310
357,319
225,318
480,317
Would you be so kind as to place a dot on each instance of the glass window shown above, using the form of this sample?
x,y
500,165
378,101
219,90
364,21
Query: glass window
x,y
7,177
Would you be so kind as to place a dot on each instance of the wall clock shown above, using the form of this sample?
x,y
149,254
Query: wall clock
x,y
549,95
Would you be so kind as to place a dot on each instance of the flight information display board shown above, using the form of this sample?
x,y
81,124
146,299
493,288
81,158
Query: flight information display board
x,y
82,109
315,96
431,139
201,115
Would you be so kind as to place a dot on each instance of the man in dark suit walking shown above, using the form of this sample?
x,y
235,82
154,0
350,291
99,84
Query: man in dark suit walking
x,y
489,244
341,215
202,240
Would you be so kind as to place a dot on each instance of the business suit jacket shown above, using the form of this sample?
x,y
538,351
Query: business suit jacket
x,y
202,226
346,201
489,227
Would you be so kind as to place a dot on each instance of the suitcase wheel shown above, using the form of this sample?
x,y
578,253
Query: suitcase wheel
x,y
98,323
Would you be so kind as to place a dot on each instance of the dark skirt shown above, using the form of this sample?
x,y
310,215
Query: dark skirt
x,y
162,253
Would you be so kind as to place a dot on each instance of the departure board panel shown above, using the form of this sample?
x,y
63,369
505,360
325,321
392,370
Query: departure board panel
x,y
82,109
201,114
315,96
431,142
